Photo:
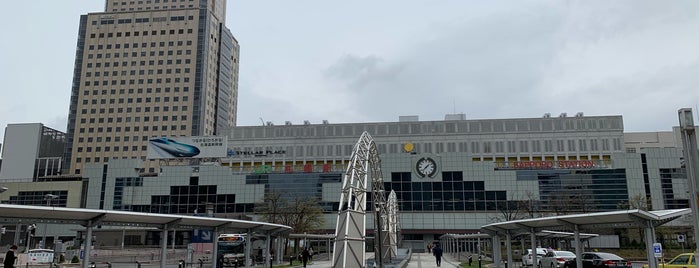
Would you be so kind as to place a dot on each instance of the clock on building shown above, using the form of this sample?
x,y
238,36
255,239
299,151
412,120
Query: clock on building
x,y
426,167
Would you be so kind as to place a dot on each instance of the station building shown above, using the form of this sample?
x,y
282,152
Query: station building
x,y
450,176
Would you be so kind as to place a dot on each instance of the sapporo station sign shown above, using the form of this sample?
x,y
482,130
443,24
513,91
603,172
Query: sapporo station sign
x,y
551,164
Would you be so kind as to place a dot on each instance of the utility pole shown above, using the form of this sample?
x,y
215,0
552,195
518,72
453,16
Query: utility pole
x,y
48,198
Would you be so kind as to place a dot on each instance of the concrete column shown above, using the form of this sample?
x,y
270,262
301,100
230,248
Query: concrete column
x,y
163,247
532,238
496,250
578,249
88,245
268,247
215,238
248,247
508,245
650,239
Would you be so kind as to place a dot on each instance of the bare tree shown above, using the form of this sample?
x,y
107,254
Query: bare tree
x,y
272,207
509,211
304,215
530,205
638,201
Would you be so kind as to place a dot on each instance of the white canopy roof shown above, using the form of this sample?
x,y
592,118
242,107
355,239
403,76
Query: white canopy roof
x,y
85,217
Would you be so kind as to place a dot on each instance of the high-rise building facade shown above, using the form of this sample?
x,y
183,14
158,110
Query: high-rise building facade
x,y
149,68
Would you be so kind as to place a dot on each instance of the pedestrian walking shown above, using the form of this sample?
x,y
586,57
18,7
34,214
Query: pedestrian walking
x,y
10,257
305,255
470,260
437,252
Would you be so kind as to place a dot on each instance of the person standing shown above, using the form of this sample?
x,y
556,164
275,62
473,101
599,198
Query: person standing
x,y
429,248
304,256
437,252
10,257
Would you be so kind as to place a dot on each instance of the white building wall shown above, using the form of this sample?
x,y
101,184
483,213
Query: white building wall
x,y
20,151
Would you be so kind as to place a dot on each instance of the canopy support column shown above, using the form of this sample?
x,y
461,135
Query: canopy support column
x,y
88,245
578,249
508,246
496,250
163,246
532,238
650,239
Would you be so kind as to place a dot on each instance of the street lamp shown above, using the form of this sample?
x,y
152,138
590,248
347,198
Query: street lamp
x,y
48,198
30,229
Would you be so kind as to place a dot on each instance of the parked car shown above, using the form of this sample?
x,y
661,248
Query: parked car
x,y
599,260
684,260
527,258
556,259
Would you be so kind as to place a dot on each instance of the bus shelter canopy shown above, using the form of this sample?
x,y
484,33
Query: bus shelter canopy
x,y
91,217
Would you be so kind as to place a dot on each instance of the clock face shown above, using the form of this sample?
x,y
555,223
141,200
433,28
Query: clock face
x,y
426,167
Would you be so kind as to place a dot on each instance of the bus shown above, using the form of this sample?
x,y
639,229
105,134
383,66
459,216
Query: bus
x,y
231,248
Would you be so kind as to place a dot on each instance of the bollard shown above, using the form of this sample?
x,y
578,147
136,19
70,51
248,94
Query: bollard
x,y
201,263
291,260
180,264
109,264
92,264
235,262
505,264
479,261
138,264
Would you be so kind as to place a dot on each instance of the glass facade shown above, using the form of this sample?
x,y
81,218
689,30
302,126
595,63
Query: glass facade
x,y
450,194
582,190
38,198
668,179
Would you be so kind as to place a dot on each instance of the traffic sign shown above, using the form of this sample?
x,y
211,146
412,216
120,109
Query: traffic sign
x,y
202,236
657,250
680,238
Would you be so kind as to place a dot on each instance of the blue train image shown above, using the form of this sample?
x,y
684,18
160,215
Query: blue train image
x,y
169,147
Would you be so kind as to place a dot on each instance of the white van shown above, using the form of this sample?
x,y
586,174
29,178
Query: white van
x,y
527,258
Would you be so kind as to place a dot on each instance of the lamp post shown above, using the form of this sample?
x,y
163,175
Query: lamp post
x,y
691,155
30,228
48,198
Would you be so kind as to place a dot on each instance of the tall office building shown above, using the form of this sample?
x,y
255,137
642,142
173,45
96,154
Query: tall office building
x,y
149,68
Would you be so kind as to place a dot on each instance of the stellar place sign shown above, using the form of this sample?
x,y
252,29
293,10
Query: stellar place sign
x,y
550,164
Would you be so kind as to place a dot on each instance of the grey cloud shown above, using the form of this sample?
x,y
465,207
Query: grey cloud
x,y
361,72
492,63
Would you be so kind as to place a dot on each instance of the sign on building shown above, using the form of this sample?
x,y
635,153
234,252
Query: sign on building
x,y
187,147
40,256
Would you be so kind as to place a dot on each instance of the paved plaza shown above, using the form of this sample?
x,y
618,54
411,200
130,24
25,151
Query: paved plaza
x,y
418,260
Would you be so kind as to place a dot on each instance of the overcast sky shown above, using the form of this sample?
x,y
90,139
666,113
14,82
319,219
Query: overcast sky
x,y
373,61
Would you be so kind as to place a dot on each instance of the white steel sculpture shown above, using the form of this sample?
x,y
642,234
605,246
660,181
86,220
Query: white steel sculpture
x,y
350,233
393,225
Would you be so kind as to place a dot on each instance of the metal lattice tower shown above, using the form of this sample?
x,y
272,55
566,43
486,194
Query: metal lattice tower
x,y
393,223
350,232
